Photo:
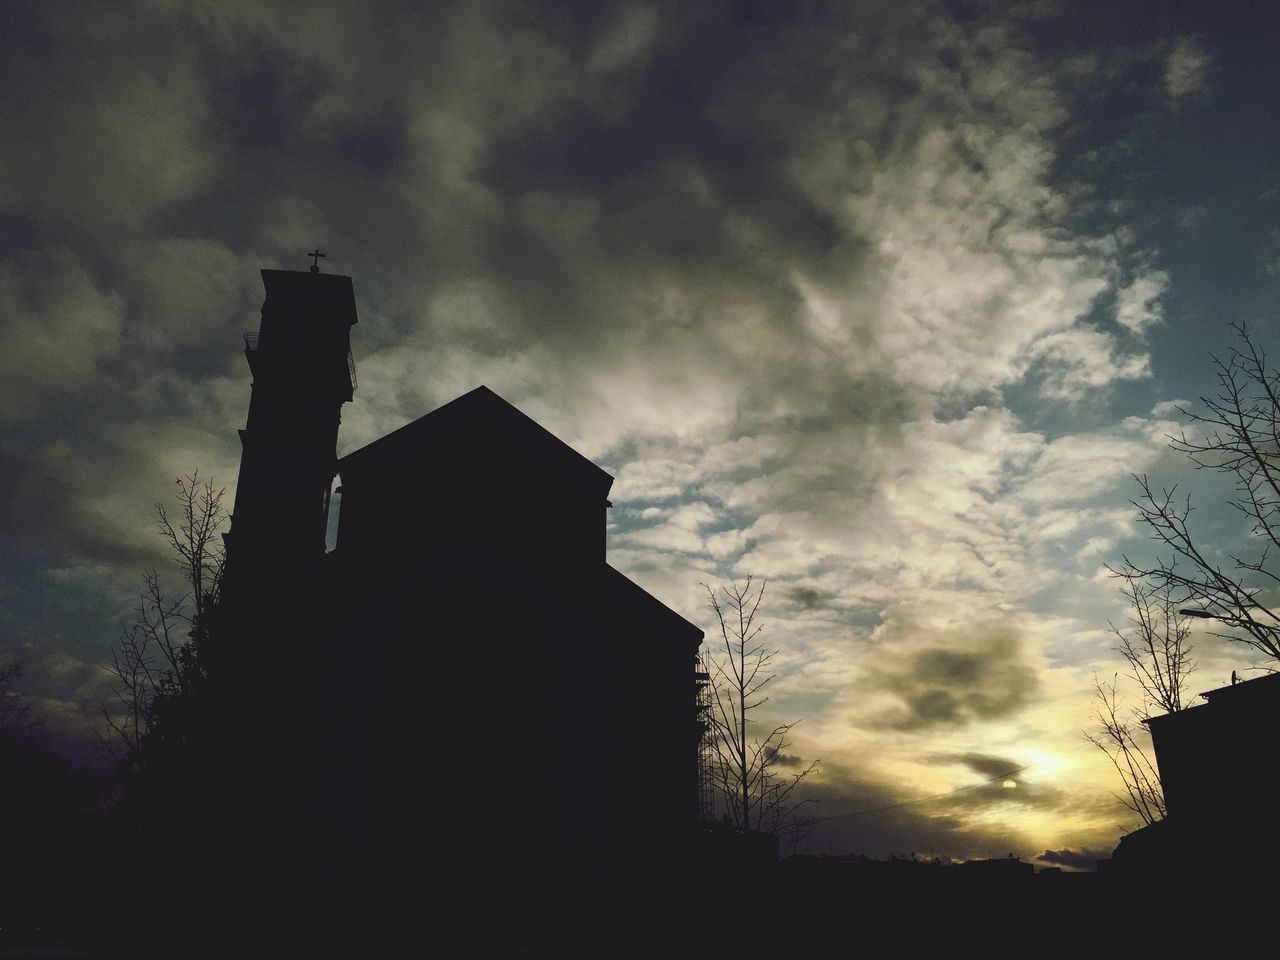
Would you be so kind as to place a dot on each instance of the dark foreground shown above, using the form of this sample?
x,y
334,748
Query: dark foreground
x,y
800,907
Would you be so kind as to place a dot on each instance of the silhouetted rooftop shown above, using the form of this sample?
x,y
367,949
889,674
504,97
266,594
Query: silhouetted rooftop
x,y
315,290
479,421
1267,685
630,596
1246,692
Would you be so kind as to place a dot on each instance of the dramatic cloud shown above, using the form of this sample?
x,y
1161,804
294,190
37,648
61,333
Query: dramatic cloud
x,y
806,598
961,676
1186,72
1078,859
1001,783
874,300
989,766
885,821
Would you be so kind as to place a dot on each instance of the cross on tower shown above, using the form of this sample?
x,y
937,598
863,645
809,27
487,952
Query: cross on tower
x,y
315,263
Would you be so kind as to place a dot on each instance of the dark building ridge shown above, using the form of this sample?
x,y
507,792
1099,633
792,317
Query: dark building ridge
x,y
1259,687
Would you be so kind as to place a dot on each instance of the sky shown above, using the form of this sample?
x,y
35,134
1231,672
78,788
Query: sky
x,y
882,302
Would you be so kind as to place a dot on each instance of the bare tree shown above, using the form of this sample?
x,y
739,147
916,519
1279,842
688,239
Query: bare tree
x,y
754,793
197,540
1154,643
166,736
1238,434
1115,736
157,659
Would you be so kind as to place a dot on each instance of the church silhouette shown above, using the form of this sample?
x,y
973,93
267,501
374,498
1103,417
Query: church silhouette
x,y
461,702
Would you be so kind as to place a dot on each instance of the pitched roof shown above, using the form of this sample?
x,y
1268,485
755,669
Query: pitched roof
x,y
480,424
623,593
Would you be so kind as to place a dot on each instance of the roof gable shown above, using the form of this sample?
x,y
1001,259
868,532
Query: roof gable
x,y
484,429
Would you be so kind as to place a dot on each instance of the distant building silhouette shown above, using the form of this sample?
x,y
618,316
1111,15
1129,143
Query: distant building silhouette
x,y
1208,859
463,695
1216,755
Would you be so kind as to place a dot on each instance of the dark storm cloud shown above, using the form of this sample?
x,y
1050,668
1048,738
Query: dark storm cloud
x,y
30,500
578,165
504,182
1030,795
858,815
41,513
979,672
806,598
1084,859
618,177
981,763
787,759
1005,785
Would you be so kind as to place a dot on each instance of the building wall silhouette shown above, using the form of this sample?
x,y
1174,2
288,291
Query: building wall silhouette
x,y
1204,868
1218,756
473,692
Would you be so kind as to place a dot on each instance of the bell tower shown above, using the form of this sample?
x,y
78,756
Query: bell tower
x,y
303,373
266,666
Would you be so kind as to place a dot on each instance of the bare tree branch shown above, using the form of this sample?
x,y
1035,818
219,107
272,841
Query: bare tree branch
x,y
1156,646
1116,739
156,660
744,769
1241,439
